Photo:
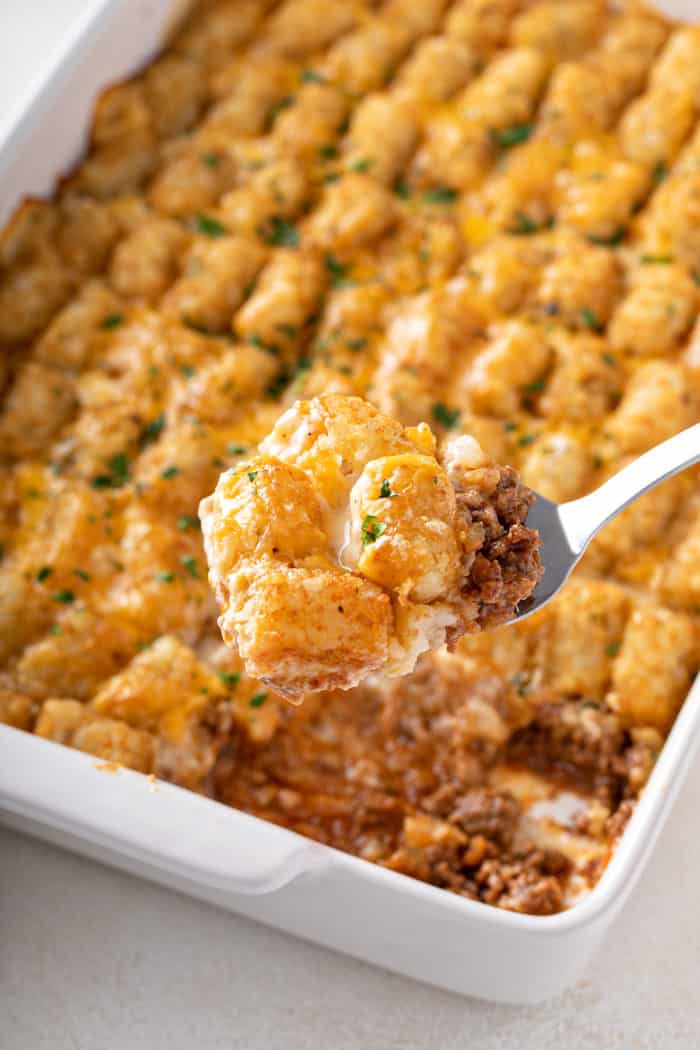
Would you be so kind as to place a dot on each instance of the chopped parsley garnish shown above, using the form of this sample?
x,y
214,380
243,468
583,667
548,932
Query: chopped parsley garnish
x,y
118,473
615,238
695,274
337,272
444,415
385,491
43,573
303,365
230,678
57,629
519,682
188,371
252,475
523,224
209,226
590,319
152,431
332,176
526,439
187,521
440,195
512,136
361,164
82,575
191,565
290,330
356,344
401,188
63,597
660,259
170,472
258,700
311,76
660,172
164,576
276,387
328,152
279,232
235,450
536,387
609,359
510,426
274,111
111,321
212,160
371,530
613,649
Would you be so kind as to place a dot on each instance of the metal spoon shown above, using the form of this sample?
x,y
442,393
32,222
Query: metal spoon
x,y
566,529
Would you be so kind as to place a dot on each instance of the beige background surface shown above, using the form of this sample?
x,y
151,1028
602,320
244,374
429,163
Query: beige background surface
x,y
94,960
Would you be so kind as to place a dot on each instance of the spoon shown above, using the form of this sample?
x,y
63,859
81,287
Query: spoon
x,y
566,529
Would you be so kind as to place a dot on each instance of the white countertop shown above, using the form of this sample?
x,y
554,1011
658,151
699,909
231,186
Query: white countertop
x,y
94,960
91,959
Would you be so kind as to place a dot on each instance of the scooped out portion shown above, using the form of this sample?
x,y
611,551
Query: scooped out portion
x,y
351,544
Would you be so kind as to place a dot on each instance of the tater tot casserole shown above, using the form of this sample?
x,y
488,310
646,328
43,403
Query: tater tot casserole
x,y
482,214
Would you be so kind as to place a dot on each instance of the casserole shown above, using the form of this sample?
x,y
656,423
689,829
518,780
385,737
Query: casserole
x,y
286,872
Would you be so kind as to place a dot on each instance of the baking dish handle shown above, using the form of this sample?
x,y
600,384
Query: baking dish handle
x,y
152,823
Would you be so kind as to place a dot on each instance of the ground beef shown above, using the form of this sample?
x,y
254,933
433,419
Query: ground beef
x,y
493,814
530,883
508,566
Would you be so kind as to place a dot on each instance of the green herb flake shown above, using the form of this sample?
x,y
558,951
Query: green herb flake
x,y
188,371
57,629
385,491
186,522
111,321
510,426
311,76
230,678
43,573
356,344
82,575
331,177
170,472
659,260
118,475
613,649
274,111
615,238
440,195
191,565
512,136
209,226
152,431
235,450
289,330
590,320
164,576
258,700
361,164
519,682
371,529
401,188
212,160
279,232
302,366
337,272
523,225
660,172
63,597
609,359
536,387
252,475
526,439
695,274
444,415
328,152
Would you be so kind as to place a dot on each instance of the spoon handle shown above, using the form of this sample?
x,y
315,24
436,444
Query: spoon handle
x,y
583,518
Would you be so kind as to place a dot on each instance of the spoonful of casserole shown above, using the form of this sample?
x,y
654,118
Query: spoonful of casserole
x,y
350,544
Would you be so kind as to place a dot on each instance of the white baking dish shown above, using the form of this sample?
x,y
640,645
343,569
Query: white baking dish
x,y
230,858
